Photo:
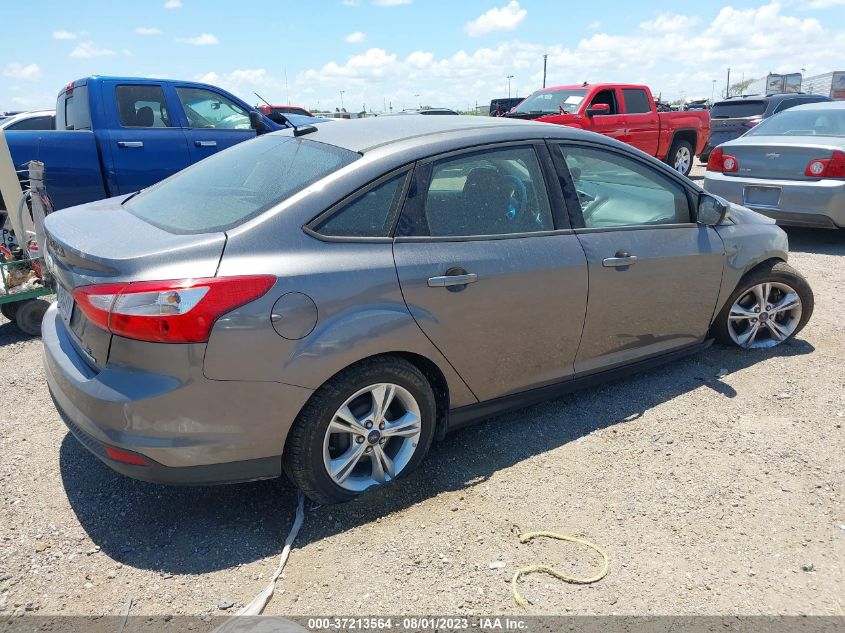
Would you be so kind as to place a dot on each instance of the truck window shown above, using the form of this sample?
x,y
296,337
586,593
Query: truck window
x,y
72,112
142,106
206,109
608,97
636,101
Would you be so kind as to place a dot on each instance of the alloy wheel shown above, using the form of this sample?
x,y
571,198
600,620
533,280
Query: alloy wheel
x,y
765,315
683,159
372,437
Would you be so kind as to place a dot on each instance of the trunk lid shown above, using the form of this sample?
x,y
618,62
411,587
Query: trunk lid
x,y
774,157
103,243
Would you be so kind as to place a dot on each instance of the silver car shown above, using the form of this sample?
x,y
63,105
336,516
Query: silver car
x,y
790,167
327,302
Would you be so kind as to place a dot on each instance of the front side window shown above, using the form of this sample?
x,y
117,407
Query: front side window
x,y
142,106
607,97
232,186
489,192
636,101
367,215
615,190
206,109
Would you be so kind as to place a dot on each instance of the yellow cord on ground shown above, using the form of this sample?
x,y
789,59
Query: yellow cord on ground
x,y
524,571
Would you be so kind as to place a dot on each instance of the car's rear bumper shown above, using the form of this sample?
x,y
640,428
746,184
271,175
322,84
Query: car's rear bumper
x,y
189,430
819,203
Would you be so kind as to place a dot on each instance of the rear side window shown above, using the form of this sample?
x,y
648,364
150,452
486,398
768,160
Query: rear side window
x,y
232,186
370,214
737,109
636,101
72,112
142,106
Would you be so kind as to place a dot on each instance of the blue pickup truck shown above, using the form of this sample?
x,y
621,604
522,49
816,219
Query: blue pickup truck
x,y
116,135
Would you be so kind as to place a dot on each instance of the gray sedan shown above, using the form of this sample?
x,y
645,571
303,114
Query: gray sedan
x,y
327,302
790,167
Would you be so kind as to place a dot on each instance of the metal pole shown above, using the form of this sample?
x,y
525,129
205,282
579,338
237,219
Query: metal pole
x,y
341,100
545,59
728,85
509,85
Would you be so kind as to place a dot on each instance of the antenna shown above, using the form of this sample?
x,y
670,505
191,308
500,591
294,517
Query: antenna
x,y
260,97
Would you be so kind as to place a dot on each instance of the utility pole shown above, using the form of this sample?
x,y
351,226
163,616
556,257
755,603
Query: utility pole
x,y
713,92
419,103
728,85
509,85
545,59
341,100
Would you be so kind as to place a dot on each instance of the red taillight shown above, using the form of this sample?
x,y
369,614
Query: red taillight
x,y
719,161
750,123
126,457
833,167
179,311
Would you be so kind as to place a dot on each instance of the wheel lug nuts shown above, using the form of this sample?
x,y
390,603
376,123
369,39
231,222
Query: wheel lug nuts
x,y
369,425
381,426
368,450
360,440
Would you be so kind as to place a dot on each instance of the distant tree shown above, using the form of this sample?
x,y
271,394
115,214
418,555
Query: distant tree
x,y
740,87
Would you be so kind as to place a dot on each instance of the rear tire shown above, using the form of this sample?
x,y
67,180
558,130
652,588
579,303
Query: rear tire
x,y
361,434
680,157
780,284
29,315
9,310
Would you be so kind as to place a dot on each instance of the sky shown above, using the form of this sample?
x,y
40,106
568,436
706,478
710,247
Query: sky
x,y
407,53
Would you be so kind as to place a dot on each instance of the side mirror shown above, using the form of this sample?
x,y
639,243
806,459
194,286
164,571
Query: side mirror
x,y
712,210
256,121
598,109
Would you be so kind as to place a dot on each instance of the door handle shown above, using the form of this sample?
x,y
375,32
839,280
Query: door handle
x,y
445,281
621,259
205,143
130,143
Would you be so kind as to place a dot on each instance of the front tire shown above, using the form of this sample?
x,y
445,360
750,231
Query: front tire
x,y
770,305
680,157
368,425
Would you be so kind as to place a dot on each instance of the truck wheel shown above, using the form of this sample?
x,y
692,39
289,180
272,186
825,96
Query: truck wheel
x,y
8,310
29,315
680,157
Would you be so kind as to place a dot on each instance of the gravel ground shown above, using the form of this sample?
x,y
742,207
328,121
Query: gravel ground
x,y
711,495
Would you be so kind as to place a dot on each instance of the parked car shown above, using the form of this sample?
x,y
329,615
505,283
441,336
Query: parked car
x,y
790,167
499,107
625,112
116,135
272,112
733,117
327,304
431,111
35,120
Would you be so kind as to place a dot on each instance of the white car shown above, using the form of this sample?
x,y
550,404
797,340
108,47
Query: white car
x,y
36,120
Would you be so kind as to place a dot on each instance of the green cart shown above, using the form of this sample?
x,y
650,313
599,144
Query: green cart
x,y
21,283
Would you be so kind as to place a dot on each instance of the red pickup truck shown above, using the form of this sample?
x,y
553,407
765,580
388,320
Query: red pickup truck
x,y
625,112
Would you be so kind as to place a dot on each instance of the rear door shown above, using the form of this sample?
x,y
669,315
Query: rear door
x,y
642,122
490,269
145,143
212,121
654,273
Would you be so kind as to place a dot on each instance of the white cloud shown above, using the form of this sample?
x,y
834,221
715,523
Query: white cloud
x,y
173,4
595,24
127,52
31,72
206,39
506,18
64,35
390,3
355,38
143,30
88,49
350,3
812,5
667,23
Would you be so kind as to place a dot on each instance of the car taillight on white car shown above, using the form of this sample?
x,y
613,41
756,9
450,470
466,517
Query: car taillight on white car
x,y
833,167
721,162
175,311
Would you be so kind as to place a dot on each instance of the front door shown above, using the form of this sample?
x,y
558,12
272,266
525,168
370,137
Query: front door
x,y
654,273
614,123
488,271
213,121
145,143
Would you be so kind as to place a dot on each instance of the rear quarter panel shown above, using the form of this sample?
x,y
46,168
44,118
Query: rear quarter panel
x,y
672,122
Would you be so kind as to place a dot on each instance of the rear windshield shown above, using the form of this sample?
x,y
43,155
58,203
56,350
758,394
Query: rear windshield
x,y
737,109
557,101
802,123
229,188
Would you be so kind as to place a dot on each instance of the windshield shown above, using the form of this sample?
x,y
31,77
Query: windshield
x,y
229,188
802,123
552,102
737,109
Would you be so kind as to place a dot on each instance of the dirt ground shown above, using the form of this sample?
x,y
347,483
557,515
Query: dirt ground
x,y
711,495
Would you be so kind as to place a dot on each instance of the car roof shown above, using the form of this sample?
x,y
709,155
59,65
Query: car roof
x,y
363,135
821,105
780,96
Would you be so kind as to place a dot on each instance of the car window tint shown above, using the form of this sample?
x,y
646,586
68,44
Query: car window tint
x,y
34,123
615,190
142,106
811,122
368,215
636,101
206,109
608,97
489,192
737,109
